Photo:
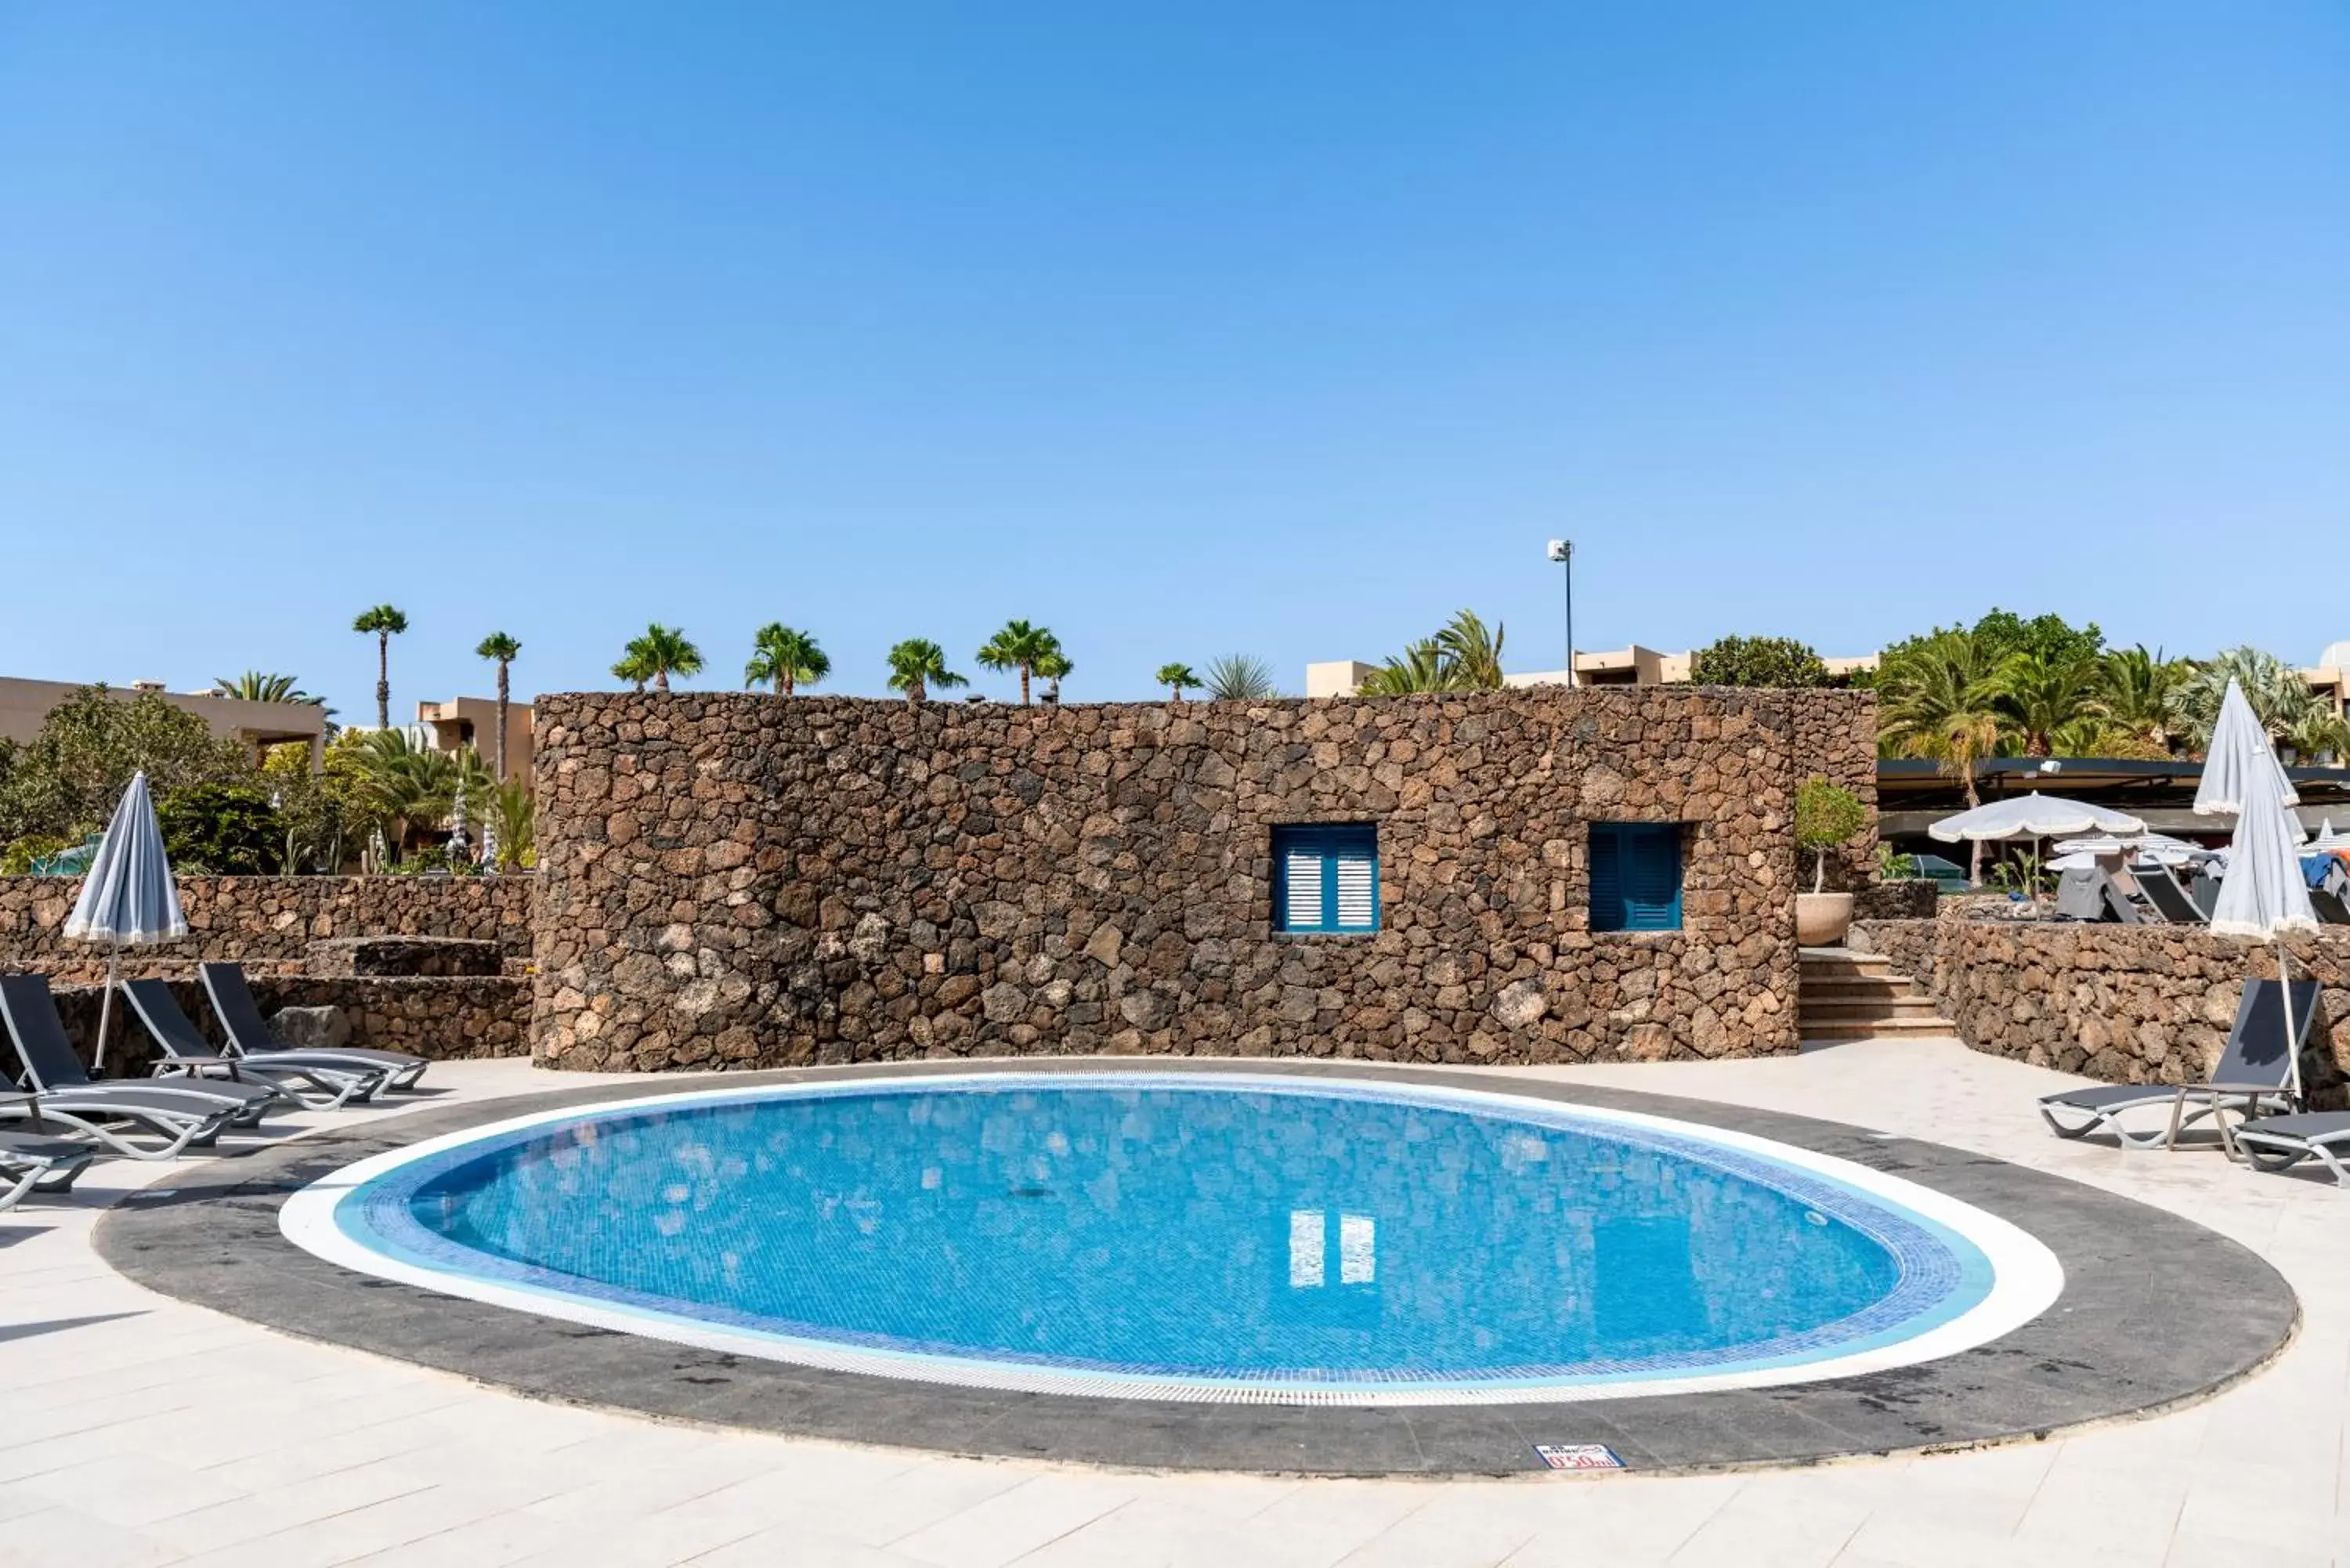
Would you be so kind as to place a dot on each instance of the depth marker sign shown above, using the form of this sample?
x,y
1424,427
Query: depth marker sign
x,y
1578,1456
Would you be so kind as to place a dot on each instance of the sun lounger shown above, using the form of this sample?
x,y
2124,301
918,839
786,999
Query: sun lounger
x,y
2169,899
187,1053
2090,895
64,1093
250,1038
2279,1143
31,1162
2206,892
2250,1077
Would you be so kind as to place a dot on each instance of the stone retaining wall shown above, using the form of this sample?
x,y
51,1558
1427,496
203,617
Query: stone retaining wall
x,y
739,880
2125,1004
443,1018
266,923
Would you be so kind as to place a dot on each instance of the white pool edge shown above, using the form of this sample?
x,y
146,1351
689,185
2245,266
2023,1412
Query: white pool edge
x,y
2027,1278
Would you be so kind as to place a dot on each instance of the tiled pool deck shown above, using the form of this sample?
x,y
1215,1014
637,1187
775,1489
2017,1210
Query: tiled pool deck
x,y
138,1430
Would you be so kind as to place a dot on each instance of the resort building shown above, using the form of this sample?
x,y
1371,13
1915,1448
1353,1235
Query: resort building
x,y
1632,666
464,721
25,705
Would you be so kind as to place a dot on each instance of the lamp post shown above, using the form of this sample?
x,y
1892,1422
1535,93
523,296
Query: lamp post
x,y
1562,552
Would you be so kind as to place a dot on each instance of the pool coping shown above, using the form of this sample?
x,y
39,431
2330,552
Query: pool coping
x,y
2157,1311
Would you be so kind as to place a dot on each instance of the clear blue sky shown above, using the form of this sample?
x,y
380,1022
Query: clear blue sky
x,y
1186,329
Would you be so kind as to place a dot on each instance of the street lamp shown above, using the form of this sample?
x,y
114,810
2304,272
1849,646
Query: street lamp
x,y
1562,552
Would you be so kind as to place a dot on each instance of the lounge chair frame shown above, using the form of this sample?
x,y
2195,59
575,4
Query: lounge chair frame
x,y
2250,1078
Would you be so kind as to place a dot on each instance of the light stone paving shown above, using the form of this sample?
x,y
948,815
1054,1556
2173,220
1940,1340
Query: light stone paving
x,y
135,1429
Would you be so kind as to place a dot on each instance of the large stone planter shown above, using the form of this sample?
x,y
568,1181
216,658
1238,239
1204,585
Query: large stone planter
x,y
1822,919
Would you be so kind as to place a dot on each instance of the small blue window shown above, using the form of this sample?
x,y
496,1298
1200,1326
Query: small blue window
x,y
1326,879
1636,877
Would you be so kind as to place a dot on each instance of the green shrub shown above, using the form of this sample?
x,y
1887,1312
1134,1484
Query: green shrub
x,y
1826,815
1758,661
228,830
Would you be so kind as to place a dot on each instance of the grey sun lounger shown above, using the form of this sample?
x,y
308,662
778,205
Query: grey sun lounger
x,y
2169,899
30,1162
249,1037
2250,1077
2279,1143
2090,895
188,1054
62,1091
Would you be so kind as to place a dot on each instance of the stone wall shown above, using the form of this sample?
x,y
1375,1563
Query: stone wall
x,y
266,923
740,880
1834,737
2125,1004
1907,898
442,1019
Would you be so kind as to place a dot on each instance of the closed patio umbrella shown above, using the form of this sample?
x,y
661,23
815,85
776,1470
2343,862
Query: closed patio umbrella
x,y
128,895
2264,894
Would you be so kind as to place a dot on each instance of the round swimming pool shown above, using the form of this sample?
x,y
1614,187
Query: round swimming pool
x,y
1194,1236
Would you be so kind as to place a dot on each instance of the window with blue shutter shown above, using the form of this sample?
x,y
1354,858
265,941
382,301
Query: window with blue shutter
x,y
1326,879
1636,877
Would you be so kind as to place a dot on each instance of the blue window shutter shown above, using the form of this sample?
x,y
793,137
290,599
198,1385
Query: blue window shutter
x,y
1326,879
1652,878
1606,878
1636,877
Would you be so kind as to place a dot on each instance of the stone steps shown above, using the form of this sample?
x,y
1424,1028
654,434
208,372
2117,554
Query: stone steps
x,y
1846,995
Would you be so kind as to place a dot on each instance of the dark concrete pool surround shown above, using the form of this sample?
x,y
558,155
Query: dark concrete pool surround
x,y
2156,1312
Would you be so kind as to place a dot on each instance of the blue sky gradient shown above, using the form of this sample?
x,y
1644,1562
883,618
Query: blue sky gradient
x,y
1181,329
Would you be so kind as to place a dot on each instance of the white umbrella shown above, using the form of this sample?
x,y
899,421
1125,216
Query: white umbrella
x,y
128,895
2160,847
2264,894
2327,839
2032,816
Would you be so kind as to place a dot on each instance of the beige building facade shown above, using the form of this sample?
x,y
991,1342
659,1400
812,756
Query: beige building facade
x,y
25,705
463,721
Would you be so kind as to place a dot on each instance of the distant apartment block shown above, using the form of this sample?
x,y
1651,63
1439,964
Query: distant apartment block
x,y
472,721
24,705
1633,666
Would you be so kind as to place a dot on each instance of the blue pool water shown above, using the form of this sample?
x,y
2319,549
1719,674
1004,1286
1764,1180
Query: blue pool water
x,y
1187,1230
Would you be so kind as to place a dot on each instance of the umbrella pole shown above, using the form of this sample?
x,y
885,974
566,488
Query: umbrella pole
x,y
2292,1042
104,1010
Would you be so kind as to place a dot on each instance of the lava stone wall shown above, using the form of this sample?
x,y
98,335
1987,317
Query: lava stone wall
x,y
2128,1004
740,880
266,923
440,1018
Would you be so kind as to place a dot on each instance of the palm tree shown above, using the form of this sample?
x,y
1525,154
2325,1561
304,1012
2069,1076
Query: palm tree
x,y
514,813
1420,668
1018,647
1240,677
253,686
504,650
1473,655
1937,702
918,664
1052,665
661,653
1175,677
2044,693
386,623
784,658
2284,705
2142,693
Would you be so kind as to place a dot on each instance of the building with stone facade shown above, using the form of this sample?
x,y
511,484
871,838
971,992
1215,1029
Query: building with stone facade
x,y
1536,876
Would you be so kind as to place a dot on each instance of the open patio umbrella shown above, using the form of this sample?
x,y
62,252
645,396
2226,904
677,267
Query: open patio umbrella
x,y
2264,894
2033,817
128,895
2327,839
2160,847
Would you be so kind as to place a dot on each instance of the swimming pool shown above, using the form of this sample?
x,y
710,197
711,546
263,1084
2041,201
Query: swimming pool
x,y
1217,1236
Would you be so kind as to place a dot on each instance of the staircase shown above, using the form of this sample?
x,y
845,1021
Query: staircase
x,y
1846,995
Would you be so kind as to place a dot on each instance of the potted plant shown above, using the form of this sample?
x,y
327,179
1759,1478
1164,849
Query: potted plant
x,y
1826,815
